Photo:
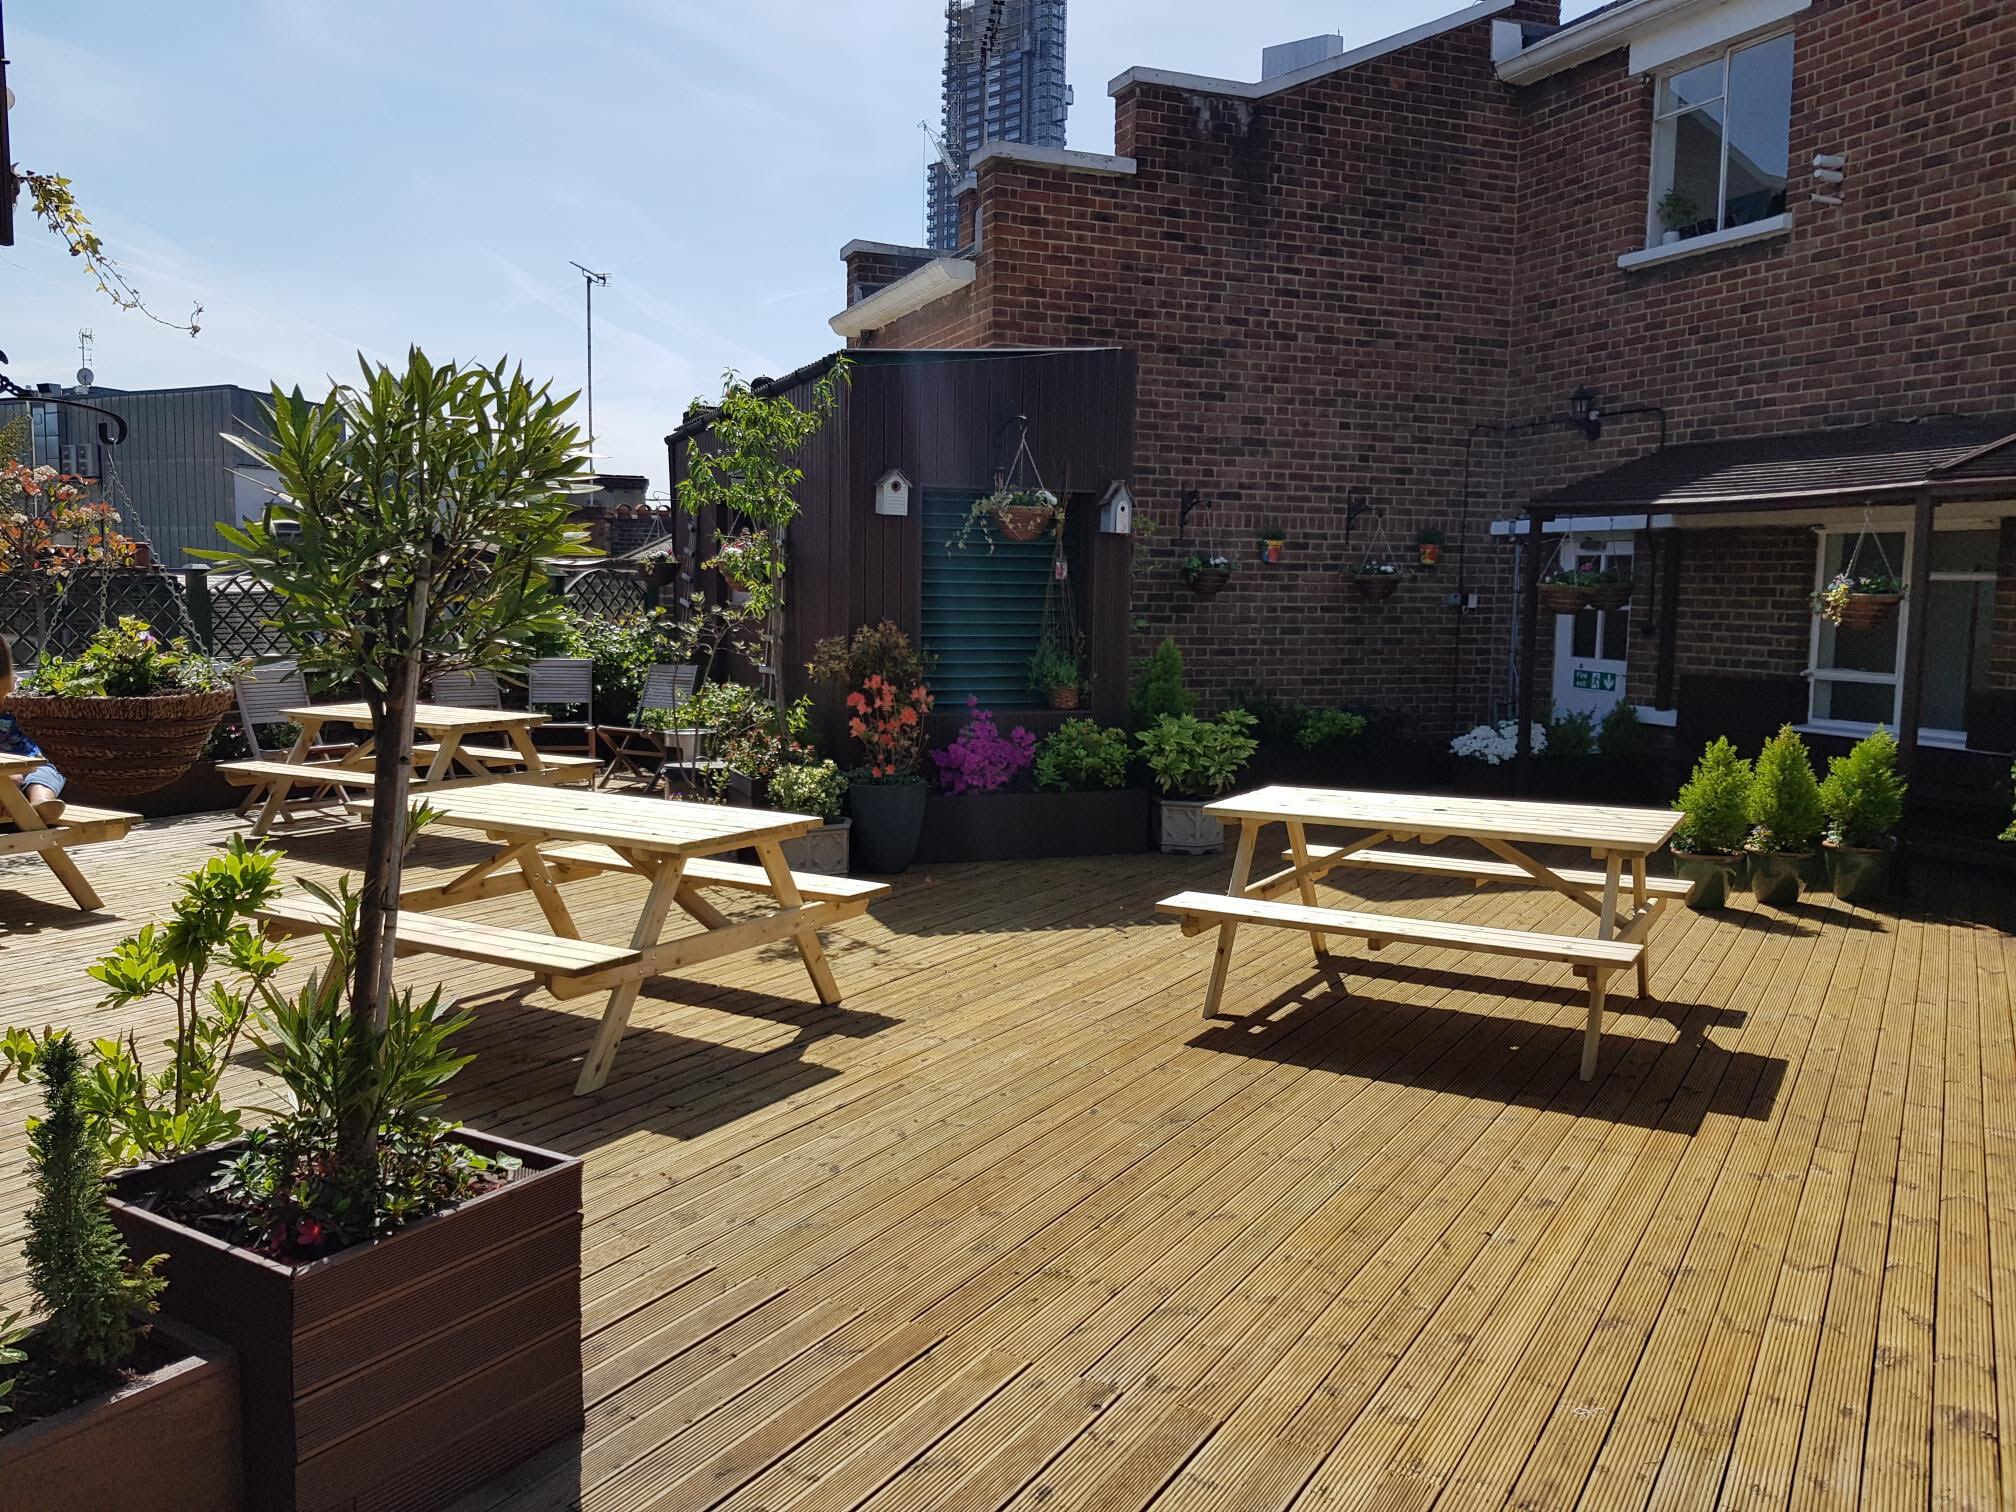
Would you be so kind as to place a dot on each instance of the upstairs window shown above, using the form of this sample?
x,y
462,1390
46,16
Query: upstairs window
x,y
1722,145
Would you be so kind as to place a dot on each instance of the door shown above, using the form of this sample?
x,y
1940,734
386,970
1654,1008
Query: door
x,y
1590,647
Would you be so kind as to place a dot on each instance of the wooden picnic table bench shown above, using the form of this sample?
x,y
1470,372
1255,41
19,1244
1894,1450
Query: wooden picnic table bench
x,y
1620,838
25,832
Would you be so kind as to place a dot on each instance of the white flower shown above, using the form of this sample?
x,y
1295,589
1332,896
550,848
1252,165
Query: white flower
x,y
1496,744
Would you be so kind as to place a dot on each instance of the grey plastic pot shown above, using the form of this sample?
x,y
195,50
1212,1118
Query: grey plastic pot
x,y
1715,874
1858,874
1776,876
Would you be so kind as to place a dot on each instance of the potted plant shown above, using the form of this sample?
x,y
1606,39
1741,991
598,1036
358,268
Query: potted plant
x,y
1786,817
1206,575
1863,798
1056,671
743,559
1677,212
109,1408
1273,544
128,714
658,565
1429,543
1566,591
1020,514
1859,600
1081,806
887,700
364,1244
814,787
1708,846
1193,761
1375,580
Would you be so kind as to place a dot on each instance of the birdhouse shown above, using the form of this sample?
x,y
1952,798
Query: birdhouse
x,y
1116,511
892,493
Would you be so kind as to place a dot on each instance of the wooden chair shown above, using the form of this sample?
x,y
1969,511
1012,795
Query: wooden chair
x,y
624,747
564,682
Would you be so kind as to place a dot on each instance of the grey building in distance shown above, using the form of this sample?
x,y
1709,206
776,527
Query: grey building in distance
x,y
1004,82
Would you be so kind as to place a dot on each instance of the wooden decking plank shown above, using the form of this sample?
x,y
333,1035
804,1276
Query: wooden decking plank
x,y
1995,962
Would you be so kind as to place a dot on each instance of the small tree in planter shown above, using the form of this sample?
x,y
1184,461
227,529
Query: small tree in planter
x,y
1157,686
1785,810
1193,761
1864,801
887,699
820,788
1708,845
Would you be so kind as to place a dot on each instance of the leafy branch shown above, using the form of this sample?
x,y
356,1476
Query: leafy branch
x,y
52,202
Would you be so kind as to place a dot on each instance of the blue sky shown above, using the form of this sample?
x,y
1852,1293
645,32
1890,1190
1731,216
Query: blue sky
x,y
327,178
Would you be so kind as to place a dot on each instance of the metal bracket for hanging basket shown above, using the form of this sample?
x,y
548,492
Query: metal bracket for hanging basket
x,y
111,427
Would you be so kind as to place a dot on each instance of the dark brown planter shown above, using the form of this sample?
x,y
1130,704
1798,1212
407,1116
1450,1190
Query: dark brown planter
x,y
398,1374
1375,586
1206,582
1026,826
167,1441
200,790
1565,598
124,745
1610,596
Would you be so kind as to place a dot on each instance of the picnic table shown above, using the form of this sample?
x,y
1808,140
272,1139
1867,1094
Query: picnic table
x,y
444,757
1627,902
23,831
546,838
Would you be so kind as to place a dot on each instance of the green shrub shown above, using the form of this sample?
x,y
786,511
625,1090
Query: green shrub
x,y
128,660
1863,796
1080,756
1716,801
11,1333
1570,737
1156,688
96,1301
810,787
1328,727
1785,797
1198,758
1276,720
624,650
2010,833
1623,737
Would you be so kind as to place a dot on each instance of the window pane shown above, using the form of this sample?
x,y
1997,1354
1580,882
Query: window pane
x,y
1691,174
1956,663
1963,551
1584,642
1865,703
1697,86
1862,650
1760,130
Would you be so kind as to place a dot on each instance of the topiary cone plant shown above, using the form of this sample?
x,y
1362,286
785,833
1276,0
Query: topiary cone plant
x,y
1864,801
1707,847
419,509
1785,810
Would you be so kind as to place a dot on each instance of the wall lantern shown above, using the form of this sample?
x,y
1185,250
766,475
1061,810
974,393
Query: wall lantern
x,y
892,493
1116,511
1582,409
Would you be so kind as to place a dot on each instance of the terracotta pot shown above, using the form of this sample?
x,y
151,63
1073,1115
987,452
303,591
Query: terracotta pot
x,y
1375,585
1064,697
1564,598
1866,611
397,1374
1207,581
121,745
1858,874
166,1440
1024,522
1715,874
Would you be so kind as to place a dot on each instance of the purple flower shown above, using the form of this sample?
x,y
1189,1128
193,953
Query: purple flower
x,y
982,759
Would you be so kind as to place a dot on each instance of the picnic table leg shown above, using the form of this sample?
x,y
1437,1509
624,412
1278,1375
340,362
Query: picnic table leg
x,y
1298,845
1221,963
14,803
521,742
1638,900
657,903
1613,866
539,877
280,789
1592,1036
443,764
778,870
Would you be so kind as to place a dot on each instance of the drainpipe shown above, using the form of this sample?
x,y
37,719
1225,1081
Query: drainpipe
x,y
1917,622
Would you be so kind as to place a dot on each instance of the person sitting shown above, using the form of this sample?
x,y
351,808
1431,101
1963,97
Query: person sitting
x,y
43,785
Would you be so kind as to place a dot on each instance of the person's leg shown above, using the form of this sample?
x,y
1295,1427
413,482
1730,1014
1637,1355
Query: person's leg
x,y
44,790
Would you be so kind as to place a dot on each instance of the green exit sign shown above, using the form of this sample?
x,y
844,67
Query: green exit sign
x,y
1595,682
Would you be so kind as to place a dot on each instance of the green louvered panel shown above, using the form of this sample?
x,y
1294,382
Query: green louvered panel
x,y
983,612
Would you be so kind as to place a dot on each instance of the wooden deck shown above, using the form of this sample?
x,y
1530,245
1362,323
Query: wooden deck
x,y
1013,1228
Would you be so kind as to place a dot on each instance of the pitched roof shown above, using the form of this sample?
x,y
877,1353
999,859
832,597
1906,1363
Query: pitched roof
x,y
1803,467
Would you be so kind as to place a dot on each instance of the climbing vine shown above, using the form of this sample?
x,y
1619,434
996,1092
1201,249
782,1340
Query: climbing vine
x,y
51,201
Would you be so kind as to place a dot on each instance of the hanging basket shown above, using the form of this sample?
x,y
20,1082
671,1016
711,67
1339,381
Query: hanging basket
x,y
1868,611
1375,586
1208,581
1023,522
1565,598
121,746
1610,595
1064,696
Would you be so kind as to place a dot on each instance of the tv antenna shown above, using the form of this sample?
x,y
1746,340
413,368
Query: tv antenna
x,y
590,281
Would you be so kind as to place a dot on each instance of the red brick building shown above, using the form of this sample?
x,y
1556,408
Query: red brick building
x,y
1766,240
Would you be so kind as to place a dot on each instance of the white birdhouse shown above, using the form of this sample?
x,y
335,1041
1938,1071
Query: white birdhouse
x,y
1116,511
892,493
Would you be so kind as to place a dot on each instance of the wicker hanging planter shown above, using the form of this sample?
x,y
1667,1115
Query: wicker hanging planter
x,y
1206,582
121,746
1613,595
1868,611
1375,586
1064,696
1024,522
1565,598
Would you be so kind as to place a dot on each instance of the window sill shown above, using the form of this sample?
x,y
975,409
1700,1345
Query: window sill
x,y
1849,729
1714,241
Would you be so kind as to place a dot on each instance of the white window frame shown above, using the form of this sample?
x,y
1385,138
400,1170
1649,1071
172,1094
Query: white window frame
x,y
1817,674
1654,231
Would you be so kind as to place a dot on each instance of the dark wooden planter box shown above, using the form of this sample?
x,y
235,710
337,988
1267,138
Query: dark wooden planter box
x,y
167,1441
399,1374
200,790
1027,826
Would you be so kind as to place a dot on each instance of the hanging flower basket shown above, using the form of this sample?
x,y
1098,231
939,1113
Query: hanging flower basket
x,y
1207,576
659,571
1613,594
1868,611
1376,582
121,746
741,560
1064,696
1567,597
1024,514
1858,602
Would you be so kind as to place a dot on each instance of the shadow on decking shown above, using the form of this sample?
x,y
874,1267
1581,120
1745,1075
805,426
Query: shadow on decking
x,y
1311,1025
26,914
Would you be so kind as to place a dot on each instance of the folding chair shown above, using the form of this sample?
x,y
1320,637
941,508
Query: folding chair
x,y
624,746
564,682
265,693
466,690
